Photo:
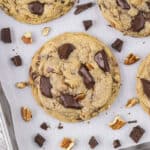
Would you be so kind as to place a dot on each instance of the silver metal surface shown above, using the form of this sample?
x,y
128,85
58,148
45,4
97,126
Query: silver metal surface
x,y
143,146
7,121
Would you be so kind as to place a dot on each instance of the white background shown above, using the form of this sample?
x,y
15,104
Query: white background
x,y
9,75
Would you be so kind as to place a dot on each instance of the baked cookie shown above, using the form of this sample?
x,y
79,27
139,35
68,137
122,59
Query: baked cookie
x,y
143,84
36,11
74,77
132,17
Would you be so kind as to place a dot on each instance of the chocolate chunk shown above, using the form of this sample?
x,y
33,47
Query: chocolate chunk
x,y
83,7
87,24
148,4
102,61
6,35
65,50
68,101
39,140
17,60
117,45
87,77
45,86
138,22
136,133
44,126
146,87
36,8
93,142
116,143
123,4
60,126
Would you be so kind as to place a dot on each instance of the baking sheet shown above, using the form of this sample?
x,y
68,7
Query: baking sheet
x,y
98,126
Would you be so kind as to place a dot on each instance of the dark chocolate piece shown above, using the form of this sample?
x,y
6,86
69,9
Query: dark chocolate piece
x,y
36,8
136,133
87,77
133,121
44,126
123,4
6,35
65,50
102,61
17,60
146,87
117,45
82,7
45,86
87,24
60,126
68,101
39,140
116,143
138,22
93,142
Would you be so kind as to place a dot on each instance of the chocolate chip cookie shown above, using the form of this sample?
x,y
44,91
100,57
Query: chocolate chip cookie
x,y
143,84
36,11
132,17
74,77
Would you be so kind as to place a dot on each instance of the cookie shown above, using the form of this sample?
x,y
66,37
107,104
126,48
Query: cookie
x,y
74,77
132,17
36,11
143,84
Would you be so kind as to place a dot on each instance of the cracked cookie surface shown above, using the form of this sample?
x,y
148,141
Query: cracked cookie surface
x,y
74,77
143,84
132,17
36,11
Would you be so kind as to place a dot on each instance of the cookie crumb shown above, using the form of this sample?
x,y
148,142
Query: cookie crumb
x,y
45,31
117,123
132,102
27,38
26,114
21,85
131,59
67,144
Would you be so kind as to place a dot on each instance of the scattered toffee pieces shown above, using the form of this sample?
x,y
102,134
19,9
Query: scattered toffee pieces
x,y
102,61
117,45
87,24
36,8
123,4
93,142
65,50
60,126
146,87
45,86
68,101
39,140
133,121
87,77
136,133
6,35
83,7
116,143
17,61
138,22
44,126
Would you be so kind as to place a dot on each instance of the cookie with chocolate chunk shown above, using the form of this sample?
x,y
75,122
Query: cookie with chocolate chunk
x,y
36,12
132,17
74,77
143,84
